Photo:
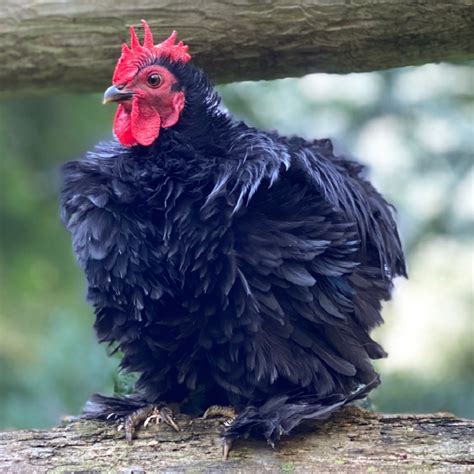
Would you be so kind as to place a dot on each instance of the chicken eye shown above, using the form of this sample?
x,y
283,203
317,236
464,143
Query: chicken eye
x,y
154,80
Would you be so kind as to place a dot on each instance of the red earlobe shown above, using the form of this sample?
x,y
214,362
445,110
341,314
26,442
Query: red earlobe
x,y
178,106
145,122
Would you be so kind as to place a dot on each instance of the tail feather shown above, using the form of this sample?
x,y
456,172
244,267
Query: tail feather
x,y
281,414
276,417
101,407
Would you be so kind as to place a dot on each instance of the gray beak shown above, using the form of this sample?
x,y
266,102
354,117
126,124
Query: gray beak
x,y
114,94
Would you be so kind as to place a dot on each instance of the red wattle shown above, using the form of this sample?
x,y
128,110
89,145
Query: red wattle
x,y
123,128
145,122
140,125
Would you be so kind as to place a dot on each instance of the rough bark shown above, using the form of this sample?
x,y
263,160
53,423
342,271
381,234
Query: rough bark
x,y
352,441
70,45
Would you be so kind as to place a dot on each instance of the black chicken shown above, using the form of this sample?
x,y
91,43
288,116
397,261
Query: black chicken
x,y
229,265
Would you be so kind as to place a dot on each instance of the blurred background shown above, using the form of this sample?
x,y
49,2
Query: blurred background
x,y
414,128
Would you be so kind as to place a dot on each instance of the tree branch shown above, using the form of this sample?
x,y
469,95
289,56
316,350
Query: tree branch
x,y
352,441
69,45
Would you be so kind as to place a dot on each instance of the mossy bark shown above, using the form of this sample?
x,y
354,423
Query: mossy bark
x,y
351,441
73,46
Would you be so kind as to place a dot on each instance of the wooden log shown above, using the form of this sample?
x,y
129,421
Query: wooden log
x,y
73,46
353,440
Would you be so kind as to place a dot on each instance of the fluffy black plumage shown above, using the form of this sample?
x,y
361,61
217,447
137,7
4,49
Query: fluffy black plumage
x,y
233,266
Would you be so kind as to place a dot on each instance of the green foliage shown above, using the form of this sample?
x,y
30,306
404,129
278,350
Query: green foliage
x,y
413,126
124,383
288,467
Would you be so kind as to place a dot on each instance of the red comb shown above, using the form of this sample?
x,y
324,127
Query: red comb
x,y
134,56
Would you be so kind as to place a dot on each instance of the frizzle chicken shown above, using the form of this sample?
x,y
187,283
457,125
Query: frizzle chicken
x,y
230,266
